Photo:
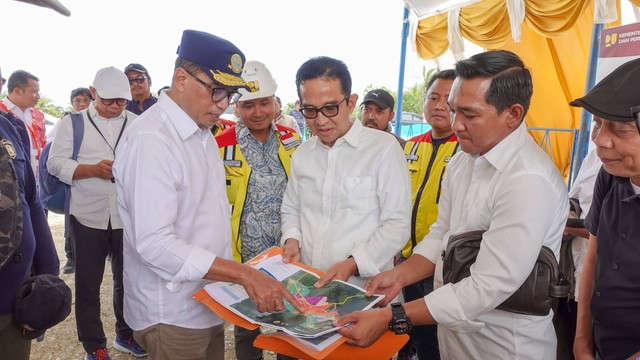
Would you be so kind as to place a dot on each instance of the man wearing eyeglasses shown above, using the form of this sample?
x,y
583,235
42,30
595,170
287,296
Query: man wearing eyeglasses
x,y
140,83
609,295
346,209
95,224
172,198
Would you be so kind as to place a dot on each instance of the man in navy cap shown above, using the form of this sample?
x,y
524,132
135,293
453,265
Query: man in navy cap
x,y
140,83
609,295
171,195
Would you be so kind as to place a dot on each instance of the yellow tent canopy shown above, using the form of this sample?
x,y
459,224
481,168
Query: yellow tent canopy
x,y
554,43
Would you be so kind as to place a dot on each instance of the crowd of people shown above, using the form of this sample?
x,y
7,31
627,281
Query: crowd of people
x,y
172,196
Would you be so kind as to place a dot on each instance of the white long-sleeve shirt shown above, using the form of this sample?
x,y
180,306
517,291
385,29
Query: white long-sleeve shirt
x,y
515,193
350,199
93,200
174,207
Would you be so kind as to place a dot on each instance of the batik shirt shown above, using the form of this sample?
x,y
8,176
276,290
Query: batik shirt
x,y
260,219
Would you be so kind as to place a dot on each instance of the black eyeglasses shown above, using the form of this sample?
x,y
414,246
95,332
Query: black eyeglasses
x,y
218,94
139,80
109,102
327,110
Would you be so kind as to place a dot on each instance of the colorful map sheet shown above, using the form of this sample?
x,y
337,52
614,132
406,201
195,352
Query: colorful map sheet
x,y
322,305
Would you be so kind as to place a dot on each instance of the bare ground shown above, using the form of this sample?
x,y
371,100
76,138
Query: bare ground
x,y
61,342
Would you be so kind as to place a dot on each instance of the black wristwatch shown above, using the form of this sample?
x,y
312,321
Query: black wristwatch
x,y
400,322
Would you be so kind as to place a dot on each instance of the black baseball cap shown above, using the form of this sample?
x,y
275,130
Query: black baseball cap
x,y
42,302
138,68
614,96
380,97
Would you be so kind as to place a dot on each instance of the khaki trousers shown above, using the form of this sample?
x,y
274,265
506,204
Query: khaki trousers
x,y
169,342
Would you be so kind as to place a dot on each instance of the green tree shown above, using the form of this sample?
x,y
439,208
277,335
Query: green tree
x,y
412,97
46,105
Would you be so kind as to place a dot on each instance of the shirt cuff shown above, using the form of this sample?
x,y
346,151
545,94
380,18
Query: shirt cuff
x,y
195,267
291,233
446,311
66,175
366,267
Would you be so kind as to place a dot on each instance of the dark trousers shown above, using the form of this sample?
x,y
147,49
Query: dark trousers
x,y
92,247
424,337
564,323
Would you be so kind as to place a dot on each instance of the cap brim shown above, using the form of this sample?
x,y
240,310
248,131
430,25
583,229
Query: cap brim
x,y
583,103
381,104
28,334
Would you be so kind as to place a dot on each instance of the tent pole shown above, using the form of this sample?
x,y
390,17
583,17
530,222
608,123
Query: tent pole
x,y
585,119
403,54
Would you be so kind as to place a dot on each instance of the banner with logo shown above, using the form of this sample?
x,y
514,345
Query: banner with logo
x,y
617,46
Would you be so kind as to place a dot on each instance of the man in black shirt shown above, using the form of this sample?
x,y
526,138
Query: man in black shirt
x,y
609,298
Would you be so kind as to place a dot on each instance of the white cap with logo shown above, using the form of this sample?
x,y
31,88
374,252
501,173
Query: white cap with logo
x,y
112,83
259,81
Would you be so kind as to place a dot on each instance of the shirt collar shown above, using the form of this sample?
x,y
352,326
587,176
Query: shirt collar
x,y
352,137
184,125
243,131
91,110
496,156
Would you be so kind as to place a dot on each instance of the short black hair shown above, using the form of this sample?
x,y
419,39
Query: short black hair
x,y
324,66
447,74
80,91
20,79
511,81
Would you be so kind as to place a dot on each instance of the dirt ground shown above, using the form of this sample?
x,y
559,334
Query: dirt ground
x,y
61,342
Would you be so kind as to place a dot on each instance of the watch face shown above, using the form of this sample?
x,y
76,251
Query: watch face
x,y
402,326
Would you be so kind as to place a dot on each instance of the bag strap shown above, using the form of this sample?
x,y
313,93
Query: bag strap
x,y
77,123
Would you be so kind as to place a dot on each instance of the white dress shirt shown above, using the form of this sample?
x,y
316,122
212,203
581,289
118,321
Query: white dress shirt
x,y
26,117
515,193
350,199
174,207
582,189
93,200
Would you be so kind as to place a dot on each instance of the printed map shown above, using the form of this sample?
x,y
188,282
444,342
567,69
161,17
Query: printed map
x,y
323,305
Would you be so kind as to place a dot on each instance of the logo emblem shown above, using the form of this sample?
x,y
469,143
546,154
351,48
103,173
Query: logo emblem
x,y
9,146
610,40
236,63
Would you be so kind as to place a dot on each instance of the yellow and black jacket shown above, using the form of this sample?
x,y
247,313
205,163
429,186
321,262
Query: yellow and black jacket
x,y
427,163
237,173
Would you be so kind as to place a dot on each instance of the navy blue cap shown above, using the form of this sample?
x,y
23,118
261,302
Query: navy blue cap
x,y
218,58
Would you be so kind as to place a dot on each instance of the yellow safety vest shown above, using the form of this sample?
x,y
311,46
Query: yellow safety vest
x,y
427,163
237,173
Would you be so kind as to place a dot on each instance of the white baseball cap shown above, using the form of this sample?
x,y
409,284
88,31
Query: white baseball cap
x,y
112,83
259,81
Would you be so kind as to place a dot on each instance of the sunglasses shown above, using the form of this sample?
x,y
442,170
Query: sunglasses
x,y
139,80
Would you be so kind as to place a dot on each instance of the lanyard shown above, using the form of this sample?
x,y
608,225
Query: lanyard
x,y
113,149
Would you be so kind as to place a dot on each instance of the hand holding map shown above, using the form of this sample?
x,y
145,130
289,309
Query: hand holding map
x,y
322,306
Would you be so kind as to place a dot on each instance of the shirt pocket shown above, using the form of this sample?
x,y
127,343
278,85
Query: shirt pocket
x,y
356,194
